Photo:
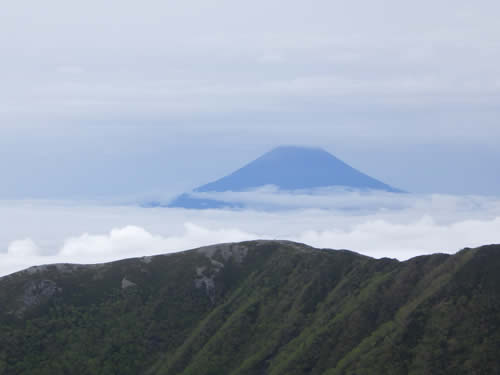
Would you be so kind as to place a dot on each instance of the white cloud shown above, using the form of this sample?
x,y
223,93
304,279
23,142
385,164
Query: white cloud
x,y
136,241
380,238
22,248
356,202
119,243
412,226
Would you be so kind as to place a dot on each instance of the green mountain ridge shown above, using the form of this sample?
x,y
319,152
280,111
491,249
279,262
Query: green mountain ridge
x,y
257,307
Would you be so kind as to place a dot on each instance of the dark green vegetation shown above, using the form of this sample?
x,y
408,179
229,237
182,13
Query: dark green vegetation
x,y
263,307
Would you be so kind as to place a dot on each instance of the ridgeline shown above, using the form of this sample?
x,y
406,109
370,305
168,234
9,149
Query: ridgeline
x,y
258,307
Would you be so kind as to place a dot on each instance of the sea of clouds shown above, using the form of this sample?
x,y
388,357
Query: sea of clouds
x,y
376,224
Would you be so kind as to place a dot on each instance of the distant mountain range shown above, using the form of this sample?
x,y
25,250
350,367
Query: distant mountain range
x,y
253,308
288,168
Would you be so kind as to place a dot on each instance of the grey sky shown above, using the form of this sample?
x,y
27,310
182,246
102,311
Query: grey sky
x,y
125,98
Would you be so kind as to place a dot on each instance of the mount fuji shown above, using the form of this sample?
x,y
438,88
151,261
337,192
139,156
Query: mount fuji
x,y
287,168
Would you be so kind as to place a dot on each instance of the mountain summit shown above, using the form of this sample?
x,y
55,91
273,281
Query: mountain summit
x,y
288,168
294,168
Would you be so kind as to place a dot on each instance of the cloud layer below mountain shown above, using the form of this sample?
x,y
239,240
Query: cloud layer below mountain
x,y
378,225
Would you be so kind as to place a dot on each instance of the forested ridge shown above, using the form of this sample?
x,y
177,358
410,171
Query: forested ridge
x,y
257,307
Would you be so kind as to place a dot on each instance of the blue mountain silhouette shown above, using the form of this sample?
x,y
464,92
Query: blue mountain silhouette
x,y
288,168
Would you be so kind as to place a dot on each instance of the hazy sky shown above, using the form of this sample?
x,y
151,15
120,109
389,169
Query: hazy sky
x,y
121,98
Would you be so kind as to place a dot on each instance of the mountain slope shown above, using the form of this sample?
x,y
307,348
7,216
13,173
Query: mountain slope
x,y
288,168
260,307
294,168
